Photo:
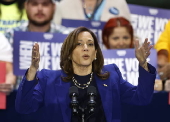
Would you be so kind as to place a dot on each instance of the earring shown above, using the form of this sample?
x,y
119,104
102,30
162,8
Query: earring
x,y
95,59
69,58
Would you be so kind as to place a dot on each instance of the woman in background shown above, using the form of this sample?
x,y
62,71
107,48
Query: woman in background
x,y
118,34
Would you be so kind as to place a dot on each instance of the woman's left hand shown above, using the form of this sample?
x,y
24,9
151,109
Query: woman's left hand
x,y
142,52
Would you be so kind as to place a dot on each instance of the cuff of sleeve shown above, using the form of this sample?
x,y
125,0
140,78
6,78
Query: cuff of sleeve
x,y
152,69
27,85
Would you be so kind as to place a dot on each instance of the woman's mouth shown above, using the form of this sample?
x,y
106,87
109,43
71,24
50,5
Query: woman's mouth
x,y
86,56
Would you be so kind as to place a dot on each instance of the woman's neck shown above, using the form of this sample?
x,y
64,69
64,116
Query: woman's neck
x,y
82,70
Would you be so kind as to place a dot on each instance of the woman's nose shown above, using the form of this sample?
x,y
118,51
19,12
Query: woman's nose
x,y
85,47
121,43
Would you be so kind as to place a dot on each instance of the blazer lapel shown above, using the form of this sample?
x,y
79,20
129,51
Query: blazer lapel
x,y
62,90
106,96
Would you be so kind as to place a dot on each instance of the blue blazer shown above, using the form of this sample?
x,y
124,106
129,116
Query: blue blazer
x,y
50,94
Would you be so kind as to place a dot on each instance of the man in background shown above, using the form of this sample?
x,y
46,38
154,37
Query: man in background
x,y
40,14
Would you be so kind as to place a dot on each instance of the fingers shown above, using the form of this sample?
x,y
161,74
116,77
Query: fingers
x,y
35,52
6,88
146,44
35,56
147,47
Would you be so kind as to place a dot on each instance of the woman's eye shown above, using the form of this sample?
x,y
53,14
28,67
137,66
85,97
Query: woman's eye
x,y
126,37
79,44
91,44
115,38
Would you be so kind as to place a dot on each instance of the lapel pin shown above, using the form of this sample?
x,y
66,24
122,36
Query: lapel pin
x,y
105,85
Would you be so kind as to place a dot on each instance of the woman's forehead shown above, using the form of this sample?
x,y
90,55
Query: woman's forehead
x,y
85,35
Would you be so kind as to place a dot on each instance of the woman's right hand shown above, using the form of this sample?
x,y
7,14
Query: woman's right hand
x,y
35,56
34,62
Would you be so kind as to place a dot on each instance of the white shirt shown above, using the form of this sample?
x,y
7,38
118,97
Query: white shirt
x,y
5,49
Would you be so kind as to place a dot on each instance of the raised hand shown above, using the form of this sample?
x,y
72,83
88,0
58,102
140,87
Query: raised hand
x,y
34,63
142,52
35,56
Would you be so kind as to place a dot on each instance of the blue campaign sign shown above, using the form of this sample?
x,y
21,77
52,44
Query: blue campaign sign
x,y
76,23
127,62
148,22
50,46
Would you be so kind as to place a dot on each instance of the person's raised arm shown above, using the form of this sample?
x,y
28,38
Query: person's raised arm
x,y
142,53
30,92
34,63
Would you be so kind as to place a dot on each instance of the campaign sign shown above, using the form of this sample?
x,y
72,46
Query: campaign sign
x,y
148,22
50,46
127,62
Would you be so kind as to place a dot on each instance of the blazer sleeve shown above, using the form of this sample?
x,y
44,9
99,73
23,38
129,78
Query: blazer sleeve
x,y
141,94
30,93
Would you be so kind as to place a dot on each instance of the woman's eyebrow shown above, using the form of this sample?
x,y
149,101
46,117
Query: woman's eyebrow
x,y
89,40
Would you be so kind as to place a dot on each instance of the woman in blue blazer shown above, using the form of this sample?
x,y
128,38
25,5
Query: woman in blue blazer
x,y
82,66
